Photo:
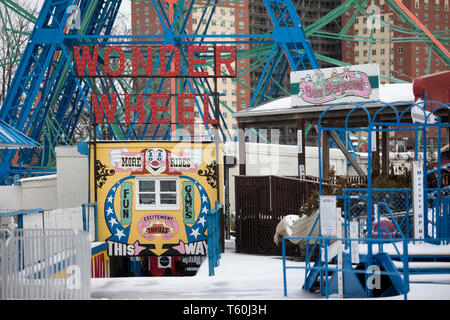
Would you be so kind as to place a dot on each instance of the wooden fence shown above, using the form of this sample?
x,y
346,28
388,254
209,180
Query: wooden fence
x,y
261,203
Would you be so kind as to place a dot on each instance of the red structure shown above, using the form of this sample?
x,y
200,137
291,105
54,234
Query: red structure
x,y
433,87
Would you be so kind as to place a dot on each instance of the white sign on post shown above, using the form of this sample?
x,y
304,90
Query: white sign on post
x,y
354,245
418,204
374,141
300,141
301,170
327,210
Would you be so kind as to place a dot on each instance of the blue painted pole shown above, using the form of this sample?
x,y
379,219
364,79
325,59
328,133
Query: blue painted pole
x,y
326,268
283,250
405,269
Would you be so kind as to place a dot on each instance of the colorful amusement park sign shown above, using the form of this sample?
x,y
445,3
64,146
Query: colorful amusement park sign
x,y
154,196
151,62
333,85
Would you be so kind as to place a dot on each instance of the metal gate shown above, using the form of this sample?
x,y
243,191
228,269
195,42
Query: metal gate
x,y
261,203
443,223
397,201
45,264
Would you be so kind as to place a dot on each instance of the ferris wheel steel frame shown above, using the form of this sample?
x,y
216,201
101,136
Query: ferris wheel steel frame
x,y
46,101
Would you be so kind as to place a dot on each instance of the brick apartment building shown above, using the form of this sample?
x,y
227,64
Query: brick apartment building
x,y
396,54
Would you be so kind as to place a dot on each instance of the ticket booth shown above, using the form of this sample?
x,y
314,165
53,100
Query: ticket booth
x,y
153,198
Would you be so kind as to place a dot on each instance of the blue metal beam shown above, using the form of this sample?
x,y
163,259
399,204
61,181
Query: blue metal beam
x,y
37,98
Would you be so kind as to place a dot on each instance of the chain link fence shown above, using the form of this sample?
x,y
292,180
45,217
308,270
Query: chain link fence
x,y
399,202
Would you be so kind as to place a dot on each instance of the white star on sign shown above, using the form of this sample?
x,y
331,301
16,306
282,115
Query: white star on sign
x,y
110,199
109,210
204,198
204,210
119,234
202,221
195,233
113,221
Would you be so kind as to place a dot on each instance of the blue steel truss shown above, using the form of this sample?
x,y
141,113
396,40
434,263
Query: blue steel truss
x,y
45,100
436,200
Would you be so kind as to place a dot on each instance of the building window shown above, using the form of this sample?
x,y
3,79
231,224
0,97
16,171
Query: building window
x,y
382,51
400,61
374,52
417,4
400,49
157,194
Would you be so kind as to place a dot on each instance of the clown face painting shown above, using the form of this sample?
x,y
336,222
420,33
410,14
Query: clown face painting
x,y
156,161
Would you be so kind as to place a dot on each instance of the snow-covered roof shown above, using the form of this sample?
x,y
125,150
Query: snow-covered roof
x,y
389,93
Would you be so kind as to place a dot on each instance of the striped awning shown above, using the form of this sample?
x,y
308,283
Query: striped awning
x,y
14,139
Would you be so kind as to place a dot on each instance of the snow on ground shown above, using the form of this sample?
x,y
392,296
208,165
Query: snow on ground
x,y
242,277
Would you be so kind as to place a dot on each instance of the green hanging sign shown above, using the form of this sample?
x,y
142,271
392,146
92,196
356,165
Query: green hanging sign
x,y
126,203
188,202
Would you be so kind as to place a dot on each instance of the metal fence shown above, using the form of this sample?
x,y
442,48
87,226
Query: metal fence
x,y
41,264
398,201
261,203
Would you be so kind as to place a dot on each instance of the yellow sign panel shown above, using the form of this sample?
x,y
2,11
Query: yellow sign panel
x,y
153,197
